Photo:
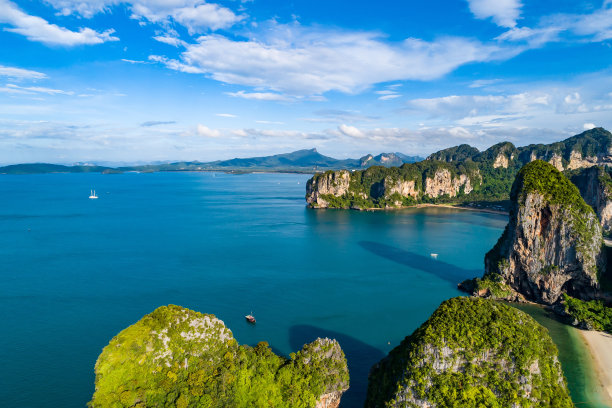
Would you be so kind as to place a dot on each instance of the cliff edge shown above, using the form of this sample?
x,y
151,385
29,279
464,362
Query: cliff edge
x,y
553,241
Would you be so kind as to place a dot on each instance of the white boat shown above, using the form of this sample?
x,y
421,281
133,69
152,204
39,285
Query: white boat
x,y
93,195
434,256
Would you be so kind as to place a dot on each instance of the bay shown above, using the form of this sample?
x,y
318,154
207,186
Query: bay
x,y
75,271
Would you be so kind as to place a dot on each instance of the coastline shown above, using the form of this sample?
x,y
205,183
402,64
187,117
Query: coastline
x,y
487,210
424,205
599,345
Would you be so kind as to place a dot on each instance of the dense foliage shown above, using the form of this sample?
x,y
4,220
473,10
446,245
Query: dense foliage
x,y
472,353
593,314
175,357
490,181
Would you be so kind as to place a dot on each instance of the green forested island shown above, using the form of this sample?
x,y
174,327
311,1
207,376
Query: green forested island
x,y
175,357
471,353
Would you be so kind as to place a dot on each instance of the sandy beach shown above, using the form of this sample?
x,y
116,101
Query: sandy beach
x,y
600,346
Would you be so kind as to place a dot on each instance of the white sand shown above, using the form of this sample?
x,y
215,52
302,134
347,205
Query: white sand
x,y
600,345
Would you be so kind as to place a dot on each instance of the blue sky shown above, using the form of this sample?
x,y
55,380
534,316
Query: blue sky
x,y
147,80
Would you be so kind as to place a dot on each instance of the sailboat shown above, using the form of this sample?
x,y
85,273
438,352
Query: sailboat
x,y
250,318
93,195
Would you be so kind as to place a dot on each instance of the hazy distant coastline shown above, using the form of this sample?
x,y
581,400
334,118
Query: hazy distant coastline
x,y
306,161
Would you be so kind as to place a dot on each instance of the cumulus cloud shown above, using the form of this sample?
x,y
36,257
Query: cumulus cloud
x,y
207,132
503,12
40,30
196,15
589,126
20,73
351,131
310,61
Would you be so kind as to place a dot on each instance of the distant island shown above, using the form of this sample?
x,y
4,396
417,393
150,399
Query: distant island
x,y
462,175
300,161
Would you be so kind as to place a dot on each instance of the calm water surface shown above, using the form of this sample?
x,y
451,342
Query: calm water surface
x,y
75,271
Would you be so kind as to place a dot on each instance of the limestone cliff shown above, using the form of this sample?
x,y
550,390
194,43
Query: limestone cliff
x,y
595,185
553,241
175,357
442,183
471,353
456,175
390,187
330,183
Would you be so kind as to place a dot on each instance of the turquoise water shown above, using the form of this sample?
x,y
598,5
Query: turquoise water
x,y
574,358
75,271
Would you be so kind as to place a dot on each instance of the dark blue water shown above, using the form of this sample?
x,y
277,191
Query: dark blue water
x,y
74,271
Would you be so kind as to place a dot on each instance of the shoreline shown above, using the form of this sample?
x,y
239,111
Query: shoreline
x,y
426,205
599,345
459,207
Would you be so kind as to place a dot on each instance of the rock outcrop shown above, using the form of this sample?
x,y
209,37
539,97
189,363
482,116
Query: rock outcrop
x,y
330,183
471,353
553,241
175,357
443,183
595,185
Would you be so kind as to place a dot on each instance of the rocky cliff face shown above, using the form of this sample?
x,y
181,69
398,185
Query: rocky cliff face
x,y
471,353
595,185
175,357
333,183
553,241
443,183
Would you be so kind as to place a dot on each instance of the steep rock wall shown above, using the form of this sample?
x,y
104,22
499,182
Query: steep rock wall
x,y
553,241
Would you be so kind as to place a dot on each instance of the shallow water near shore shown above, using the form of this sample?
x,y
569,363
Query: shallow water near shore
x,y
77,271
574,356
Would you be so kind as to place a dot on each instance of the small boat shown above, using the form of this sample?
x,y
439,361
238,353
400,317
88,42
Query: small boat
x,y
434,256
93,195
250,318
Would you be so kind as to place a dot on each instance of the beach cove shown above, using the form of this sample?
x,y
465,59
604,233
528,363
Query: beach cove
x,y
78,271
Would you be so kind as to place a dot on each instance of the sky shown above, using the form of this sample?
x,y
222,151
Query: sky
x,y
111,81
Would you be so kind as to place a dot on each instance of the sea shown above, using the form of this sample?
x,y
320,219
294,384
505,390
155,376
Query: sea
x,y
76,271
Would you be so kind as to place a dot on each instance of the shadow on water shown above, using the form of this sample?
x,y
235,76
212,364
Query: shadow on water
x,y
441,269
359,355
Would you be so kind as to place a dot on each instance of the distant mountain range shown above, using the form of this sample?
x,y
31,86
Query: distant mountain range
x,y
302,161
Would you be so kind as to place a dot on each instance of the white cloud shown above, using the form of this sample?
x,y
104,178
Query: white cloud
x,y
207,132
40,30
461,106
260,96
20,73
170,40
134,61
269,122
589,126
482,83
39,89
205,16
85,8
225,115
595,26
196,15
503,12
351,131
388,97
308,61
